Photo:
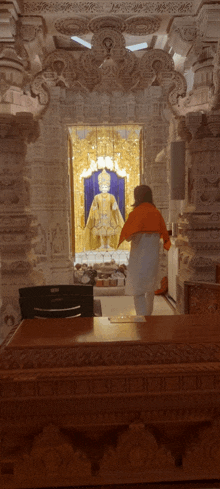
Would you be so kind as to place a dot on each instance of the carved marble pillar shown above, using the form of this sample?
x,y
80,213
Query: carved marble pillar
x,y
50,195
175,207
155,134
17,226
13,63
199,225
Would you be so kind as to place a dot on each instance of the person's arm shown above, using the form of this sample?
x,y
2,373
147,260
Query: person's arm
x,y
165,234
126,232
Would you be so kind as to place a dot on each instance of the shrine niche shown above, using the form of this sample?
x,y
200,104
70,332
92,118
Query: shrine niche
x,y
106,168
104,222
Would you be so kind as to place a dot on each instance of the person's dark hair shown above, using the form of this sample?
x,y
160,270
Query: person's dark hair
x,y
142,193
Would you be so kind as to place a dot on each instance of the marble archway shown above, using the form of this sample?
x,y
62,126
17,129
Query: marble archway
x,y
107,86
147,101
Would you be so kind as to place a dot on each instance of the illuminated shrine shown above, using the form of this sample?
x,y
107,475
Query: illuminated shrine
x,y
105,164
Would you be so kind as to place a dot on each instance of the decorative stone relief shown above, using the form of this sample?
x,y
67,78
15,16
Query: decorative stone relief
x,y
12,68
215,96
157,69
106,22
123,7
58,239
40,247
208,21
59,69
74,26
48,171
139,25
28,31
203,59
8,16
109,66
198,232
18,229
182,34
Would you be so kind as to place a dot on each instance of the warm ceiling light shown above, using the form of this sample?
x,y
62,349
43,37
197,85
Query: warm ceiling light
x,y
81,41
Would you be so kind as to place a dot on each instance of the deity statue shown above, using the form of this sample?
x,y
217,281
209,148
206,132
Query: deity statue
x,y
105,221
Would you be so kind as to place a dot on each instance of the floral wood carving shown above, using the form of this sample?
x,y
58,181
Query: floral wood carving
x,y
203,456
52,456
137,453
203,298
106,356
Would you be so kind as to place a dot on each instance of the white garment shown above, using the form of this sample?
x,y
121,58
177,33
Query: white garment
x,y
144,304
143,264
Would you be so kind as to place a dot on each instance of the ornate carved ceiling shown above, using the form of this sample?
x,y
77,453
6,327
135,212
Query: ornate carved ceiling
x,y
135,18
40,32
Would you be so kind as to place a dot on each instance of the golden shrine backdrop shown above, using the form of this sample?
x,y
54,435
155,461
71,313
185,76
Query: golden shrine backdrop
x,y
117,148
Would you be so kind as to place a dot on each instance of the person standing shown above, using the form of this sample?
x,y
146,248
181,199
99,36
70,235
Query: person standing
x,y
144,228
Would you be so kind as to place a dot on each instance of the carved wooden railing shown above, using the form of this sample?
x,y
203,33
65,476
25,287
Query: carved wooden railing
x,y
201,297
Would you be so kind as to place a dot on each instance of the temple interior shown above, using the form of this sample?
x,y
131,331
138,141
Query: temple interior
x,y
97,97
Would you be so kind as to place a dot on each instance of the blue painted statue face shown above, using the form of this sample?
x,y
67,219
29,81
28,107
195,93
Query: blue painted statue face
x,y
104,188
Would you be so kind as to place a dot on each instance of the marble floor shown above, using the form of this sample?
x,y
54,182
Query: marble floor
x,y
118,305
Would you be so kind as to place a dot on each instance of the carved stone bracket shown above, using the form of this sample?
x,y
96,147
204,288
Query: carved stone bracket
x,y
9,12
182,34
11,67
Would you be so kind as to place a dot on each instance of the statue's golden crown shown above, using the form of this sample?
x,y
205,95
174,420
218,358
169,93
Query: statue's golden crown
x,y
104,178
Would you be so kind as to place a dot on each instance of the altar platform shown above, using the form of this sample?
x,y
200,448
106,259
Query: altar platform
x,y
92,257
97,401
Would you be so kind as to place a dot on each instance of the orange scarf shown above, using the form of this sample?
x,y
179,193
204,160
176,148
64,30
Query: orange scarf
x,y
145,218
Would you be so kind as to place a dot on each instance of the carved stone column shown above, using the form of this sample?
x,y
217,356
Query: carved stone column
x,y
154,137
17,227
47,167
199,225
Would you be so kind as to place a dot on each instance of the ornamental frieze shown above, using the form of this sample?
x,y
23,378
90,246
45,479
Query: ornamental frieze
x,y
110,7
93,356
178,380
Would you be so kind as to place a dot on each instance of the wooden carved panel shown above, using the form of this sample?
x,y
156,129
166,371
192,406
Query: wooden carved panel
x,y
201,298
